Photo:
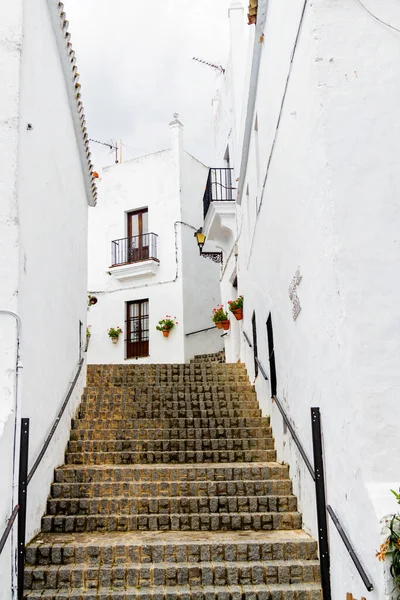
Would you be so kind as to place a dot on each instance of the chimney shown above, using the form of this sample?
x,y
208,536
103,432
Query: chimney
x,y
176,129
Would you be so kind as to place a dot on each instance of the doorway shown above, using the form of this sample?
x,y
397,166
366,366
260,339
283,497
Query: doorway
x,y
137,329
138,235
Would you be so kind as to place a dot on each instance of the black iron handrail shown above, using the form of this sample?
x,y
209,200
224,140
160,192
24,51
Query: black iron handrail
x,y
350,549
200,331
134,249
218,188
247,339
8,528
316,476
295,437
57,421
262,370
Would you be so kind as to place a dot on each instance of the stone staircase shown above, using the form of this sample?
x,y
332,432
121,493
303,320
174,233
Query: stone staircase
x,y
171,491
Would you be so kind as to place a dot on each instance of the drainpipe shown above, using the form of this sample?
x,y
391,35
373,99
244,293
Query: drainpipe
x,y
253,85
17,420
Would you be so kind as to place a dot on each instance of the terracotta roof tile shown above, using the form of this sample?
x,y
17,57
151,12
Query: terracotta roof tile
x,y
252,14
79,106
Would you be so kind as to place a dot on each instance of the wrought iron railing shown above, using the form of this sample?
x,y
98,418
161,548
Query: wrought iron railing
x,y
219,188
134,249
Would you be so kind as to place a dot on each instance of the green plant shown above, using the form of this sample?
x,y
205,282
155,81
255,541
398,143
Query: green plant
x,y
219,314
166,324
235,304
114,332
391,547
88,334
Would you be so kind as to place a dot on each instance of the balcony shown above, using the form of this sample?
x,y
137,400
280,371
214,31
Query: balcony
x,y
219,188
219,208
135,256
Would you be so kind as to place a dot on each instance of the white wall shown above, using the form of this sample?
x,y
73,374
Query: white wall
x,y
330,206
171,184
43,270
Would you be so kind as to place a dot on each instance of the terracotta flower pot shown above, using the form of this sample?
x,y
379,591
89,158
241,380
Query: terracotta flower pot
x,y
114,340
165,332
226,325
218,324
238,312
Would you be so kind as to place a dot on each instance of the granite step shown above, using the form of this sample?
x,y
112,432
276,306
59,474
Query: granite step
x,y
172,574
182,505
296,591
159,473
184,546
210,413
174,445
172,522
168,423
162,457
171,433
172,488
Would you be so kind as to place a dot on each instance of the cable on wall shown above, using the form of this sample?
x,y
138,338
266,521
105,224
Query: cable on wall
x,y
377,18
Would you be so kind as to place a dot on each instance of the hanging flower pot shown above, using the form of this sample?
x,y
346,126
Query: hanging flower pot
x,y
165,325
238,312
225,325
219,324
113,334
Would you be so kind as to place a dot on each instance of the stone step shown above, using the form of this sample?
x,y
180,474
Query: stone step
x,y
167,404
159,473
172,522
168,423
296,591
202,376
211,413
170,434
175,445
161,457
171,505
172,574
173,390
165,408
174,488
191,546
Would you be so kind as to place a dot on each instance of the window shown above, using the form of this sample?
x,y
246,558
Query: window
x,y
138,235
137,328
271,353
255,349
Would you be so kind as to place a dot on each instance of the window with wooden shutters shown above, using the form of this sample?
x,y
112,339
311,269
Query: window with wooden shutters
x,y
137,329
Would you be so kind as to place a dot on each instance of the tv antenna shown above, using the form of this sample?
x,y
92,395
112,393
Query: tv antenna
x,y
218,68
112,145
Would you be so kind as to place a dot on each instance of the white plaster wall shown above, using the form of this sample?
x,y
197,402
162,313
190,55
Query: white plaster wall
x,y
10,63
330,206
171,184
200,276
53,274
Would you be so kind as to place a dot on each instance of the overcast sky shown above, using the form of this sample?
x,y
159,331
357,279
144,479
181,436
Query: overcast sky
x,y
135,62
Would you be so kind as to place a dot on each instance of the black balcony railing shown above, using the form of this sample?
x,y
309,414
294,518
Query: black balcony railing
x,y
219,188
134,249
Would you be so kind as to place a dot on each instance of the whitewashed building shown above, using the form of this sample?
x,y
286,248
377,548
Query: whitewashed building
x,y
46,184
307,119
144,262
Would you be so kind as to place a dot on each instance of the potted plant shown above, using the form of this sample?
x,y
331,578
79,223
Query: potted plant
x,y
236,307
88,334
165,325
220,317
113,333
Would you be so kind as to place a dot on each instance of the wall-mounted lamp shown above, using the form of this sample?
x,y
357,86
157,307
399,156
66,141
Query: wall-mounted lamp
x,y
201,238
